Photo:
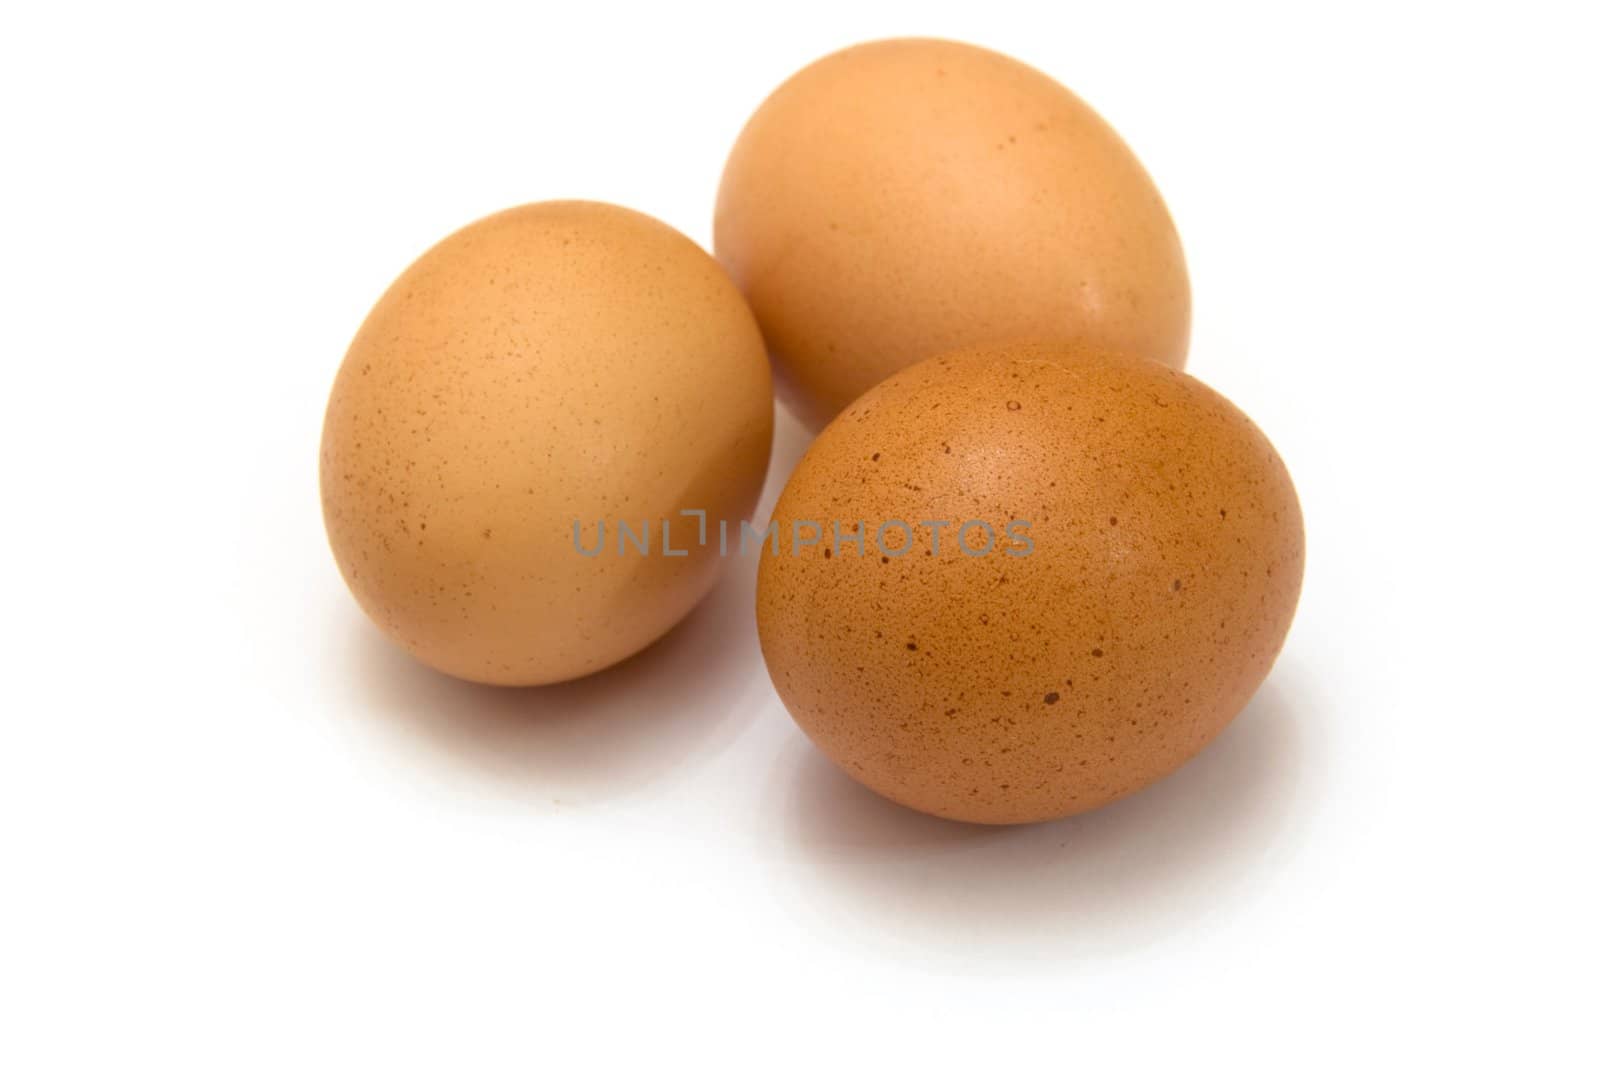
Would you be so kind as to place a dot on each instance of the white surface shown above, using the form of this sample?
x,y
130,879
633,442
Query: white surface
x,y
239,828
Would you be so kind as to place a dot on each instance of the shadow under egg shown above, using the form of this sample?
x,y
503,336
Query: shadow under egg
x,y
677,702
1102,883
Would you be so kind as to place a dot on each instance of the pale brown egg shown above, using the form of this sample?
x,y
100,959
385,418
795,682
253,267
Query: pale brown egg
x,y
907,197
530,383
1118,564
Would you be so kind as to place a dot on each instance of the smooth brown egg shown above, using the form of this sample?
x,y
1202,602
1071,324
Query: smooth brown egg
x,y
532,382
908,197
1118,564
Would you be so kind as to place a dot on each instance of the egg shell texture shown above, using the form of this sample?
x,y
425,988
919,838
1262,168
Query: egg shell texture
x,y
1165,565
556,363
904,198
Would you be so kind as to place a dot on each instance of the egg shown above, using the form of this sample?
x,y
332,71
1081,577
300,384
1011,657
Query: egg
x,y
530,434
1023,580
904,198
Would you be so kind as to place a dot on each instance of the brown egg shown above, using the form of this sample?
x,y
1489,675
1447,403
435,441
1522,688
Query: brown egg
x,y
528,384
1143,558
907,197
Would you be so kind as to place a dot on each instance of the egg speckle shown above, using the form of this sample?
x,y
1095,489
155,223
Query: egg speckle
x,y
550,379
1107,556
904,198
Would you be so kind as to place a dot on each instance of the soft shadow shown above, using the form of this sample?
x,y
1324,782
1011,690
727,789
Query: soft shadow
x,y
790,439
680,701
1115,880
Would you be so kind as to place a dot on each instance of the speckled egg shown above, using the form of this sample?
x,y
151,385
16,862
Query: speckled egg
x,y
530,435
904,198
1021,581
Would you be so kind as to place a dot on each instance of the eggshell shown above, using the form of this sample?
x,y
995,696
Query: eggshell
x,y
558,363
1162,569
907,197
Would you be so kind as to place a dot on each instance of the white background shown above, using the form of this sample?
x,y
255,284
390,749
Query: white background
x,y
239,828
